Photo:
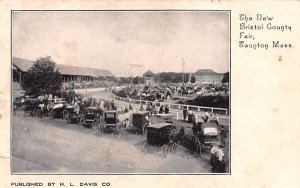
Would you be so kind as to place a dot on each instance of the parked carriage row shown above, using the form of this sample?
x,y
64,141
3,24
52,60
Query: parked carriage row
x,y
160,131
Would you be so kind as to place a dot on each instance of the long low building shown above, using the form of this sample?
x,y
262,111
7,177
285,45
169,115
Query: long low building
x,y
69,73
208,76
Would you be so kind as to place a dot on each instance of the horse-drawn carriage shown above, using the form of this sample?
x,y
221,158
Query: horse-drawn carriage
x,y
57,110
140,121
202,137
158,135
34,107
92,116
109,122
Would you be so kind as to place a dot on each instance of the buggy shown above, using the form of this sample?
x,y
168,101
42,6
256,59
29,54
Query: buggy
x,y
206,135
92,116
57,110
77,116
67,111
31,106
140,121
158,134
110,121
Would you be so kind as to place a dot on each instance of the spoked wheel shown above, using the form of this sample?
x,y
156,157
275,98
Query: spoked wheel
x,y
51,114
117,129
145,147
164,150
99,130
81,121
38,113
67,117
174,147
123,132
199,148
95,123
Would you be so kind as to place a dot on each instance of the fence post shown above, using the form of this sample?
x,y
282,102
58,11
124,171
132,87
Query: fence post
x,y
177,116
212,110
179,107
198,109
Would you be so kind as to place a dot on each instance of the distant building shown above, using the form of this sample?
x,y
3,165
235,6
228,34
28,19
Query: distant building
x,y
149,77
69,73
208,76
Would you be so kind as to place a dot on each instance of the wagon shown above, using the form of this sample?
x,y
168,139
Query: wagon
x,y
75,118
31,106
67,111
140,121
109,122
207,136
92,116
159,133
57,111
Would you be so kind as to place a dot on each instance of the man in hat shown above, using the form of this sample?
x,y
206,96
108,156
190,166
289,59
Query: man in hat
x,y
217,157
205,117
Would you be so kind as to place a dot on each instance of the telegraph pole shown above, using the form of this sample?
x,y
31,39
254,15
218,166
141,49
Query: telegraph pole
x,y
183,70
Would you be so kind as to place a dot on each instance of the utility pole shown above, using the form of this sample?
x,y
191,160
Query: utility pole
x,y
183,70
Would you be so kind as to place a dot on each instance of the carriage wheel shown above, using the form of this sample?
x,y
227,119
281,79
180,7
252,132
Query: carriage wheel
x,y
51,114
117,129
199,148
145,147
174,147
124,132
99,129
94,123
81,121
165,150
67,116
38,113
63,115
145,130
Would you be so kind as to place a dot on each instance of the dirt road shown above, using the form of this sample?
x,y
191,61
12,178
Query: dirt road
x,y
41,145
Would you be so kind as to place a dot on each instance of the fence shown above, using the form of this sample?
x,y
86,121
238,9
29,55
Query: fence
x,y
176,106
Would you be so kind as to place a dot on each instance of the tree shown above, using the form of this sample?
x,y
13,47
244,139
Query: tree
x,y
225,78
42,78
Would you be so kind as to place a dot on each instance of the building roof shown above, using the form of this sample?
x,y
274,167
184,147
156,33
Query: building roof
x,y
148,74
24,65
82,71
206,72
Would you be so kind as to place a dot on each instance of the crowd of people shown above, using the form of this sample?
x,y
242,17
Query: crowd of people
x,y
87,84
161,92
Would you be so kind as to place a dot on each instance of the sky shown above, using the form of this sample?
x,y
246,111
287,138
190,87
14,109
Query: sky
x,y
157,40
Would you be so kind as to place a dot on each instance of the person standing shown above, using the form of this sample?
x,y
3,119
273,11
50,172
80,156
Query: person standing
x,y
112,105
184,113
152,109
205,117
161,110
217,158
167,109
141,107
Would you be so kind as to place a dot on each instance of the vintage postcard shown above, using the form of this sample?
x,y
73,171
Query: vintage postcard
x,y
98,94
